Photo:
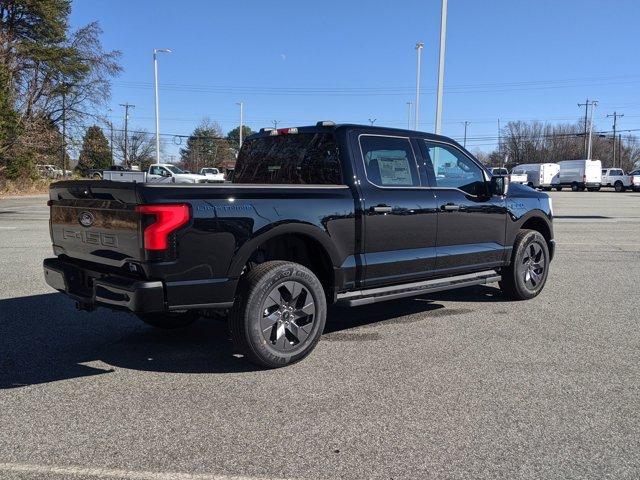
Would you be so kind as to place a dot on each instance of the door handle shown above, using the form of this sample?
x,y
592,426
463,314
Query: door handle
x,y
382,209
451,207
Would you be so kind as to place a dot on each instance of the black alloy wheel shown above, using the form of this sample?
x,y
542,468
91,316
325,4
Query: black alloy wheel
x,y
288,313
527,273
532,266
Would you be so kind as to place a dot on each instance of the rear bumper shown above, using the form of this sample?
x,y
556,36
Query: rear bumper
x,y
91,289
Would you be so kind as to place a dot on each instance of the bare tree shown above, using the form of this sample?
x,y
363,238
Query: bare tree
x,y
140,148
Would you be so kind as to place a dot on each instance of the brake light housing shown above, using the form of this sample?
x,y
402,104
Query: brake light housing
x,y
167,219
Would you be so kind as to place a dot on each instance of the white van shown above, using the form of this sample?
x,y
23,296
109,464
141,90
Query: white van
x,y
579,174
539,175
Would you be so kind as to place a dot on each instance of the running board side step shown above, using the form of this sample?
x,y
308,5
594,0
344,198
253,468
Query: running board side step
x,y
382,294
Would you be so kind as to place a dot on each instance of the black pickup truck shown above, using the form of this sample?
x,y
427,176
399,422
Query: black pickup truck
x,y
317,215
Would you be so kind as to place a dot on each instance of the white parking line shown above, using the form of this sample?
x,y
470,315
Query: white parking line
x,y
118,473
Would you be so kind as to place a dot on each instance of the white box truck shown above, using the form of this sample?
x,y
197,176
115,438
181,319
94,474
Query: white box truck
x,y
579,175
539,175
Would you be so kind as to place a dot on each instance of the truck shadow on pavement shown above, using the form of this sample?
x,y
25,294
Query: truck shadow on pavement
x,y
44,339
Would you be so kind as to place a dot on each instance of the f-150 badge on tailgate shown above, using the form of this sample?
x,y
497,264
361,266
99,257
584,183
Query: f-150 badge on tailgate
x,y
86,219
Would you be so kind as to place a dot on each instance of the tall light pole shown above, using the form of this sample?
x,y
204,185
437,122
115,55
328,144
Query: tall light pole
x,y
155,83
241,105
372,121
409,115
419,48
443,38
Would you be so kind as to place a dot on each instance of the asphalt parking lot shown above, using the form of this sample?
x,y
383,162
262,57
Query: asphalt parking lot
x,y
456,385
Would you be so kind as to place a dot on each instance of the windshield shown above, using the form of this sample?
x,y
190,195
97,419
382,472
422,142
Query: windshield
x,y
210,170
173,169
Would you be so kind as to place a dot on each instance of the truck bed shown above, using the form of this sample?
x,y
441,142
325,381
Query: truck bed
x,y
208,251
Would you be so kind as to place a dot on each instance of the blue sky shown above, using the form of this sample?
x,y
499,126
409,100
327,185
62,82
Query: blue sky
x,y
348,61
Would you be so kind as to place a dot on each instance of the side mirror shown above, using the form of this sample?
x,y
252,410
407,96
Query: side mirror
x,y
499,185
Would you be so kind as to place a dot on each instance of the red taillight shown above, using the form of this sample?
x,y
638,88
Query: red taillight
x,y
168,219
49,203
584,178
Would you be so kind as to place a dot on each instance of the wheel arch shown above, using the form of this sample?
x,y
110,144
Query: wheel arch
x,y
539,222
300,243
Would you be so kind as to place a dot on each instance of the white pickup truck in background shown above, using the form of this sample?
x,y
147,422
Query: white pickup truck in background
x,y
213,174
616,178
512,178
168,173
157,173
634,178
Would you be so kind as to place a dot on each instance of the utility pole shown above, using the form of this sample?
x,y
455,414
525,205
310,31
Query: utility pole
x,y
126,106
241,104
372,121
594,104
499,144
275,124
64,132
419,48
443,39
587,139
409,115
111,140
615,116
466,123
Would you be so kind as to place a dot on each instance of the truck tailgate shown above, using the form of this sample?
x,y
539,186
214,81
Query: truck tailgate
x,y
96,221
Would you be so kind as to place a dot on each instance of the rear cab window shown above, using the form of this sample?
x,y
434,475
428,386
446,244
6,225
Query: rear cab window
x,y
295,158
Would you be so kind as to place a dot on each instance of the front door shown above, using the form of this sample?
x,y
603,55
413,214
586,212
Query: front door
x,y
471,221
399,211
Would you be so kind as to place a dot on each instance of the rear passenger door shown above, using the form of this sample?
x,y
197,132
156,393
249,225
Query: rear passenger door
x,y
399,211
471,221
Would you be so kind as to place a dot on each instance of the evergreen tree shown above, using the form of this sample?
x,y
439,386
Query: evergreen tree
x,y
206,147
95,151
233,137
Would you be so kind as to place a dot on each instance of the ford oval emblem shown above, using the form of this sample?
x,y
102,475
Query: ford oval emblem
x,y
86,219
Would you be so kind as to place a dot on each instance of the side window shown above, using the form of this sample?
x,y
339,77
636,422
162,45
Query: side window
x,y
389,161
453,169
155,171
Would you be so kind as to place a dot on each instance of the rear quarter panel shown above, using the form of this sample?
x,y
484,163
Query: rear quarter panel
x,y
230,221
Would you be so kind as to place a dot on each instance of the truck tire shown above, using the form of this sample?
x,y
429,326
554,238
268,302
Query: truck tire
x,y
526,275
96,176
618,186
574,187
559,188
168,320
279,314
